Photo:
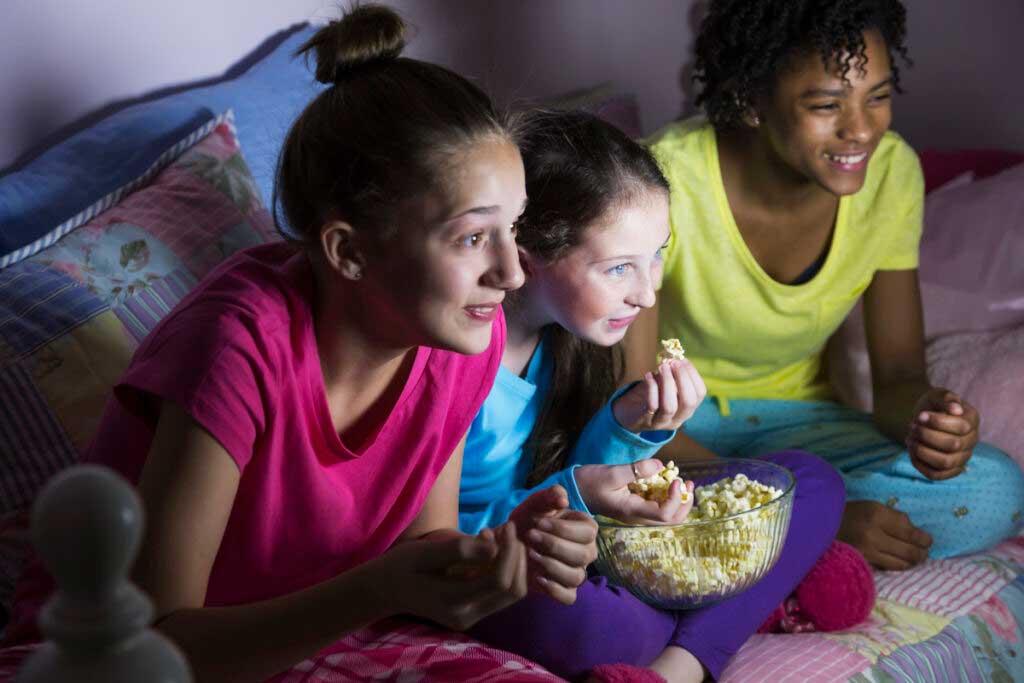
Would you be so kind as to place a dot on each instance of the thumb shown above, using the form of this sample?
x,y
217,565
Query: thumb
x,y
952,403
624,474
541,503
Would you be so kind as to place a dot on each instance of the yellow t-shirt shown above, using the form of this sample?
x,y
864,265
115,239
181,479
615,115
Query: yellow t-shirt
x,y
749,335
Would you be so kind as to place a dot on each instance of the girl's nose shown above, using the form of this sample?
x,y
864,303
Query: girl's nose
x,y
505,272
644,294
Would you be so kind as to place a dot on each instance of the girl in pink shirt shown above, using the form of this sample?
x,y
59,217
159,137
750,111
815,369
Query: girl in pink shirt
x,y
295,426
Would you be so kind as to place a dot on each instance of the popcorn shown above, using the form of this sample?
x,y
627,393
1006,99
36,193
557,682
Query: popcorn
x,y
671,349
656,486
690,560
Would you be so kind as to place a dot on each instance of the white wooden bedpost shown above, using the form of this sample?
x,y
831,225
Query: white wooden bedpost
x,y
86,527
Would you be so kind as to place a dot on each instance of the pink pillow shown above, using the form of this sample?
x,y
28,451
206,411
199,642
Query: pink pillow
x,y
972,251
940,165
987,368
971,277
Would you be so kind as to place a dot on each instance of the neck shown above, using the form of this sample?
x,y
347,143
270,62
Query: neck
x,y
355,357
524,322
751,165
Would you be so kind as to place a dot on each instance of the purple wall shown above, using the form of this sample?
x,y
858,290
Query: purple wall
x,y
63,60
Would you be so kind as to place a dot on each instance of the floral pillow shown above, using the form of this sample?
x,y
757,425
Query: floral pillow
x,y
72,314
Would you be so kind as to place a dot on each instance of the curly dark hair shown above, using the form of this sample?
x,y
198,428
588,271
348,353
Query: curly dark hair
x,y
743,43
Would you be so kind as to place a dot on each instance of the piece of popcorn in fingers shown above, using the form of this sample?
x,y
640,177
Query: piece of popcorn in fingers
x,y
656,486
671,349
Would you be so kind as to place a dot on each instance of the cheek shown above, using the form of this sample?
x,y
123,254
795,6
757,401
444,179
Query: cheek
x,y
589,304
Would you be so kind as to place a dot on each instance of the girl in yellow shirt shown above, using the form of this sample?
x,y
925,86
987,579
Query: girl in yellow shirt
x,y
791,202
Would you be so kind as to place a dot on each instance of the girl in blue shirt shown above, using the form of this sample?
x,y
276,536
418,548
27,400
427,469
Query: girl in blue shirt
x,y
555,442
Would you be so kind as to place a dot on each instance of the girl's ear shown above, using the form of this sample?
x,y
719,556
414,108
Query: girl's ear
x,y
340,245
527,262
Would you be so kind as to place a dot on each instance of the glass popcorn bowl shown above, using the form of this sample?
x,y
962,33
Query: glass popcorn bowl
x,y
695,563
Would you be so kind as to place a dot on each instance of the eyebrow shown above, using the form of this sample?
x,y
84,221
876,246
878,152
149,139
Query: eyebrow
x,y
481,211
629,256
825,92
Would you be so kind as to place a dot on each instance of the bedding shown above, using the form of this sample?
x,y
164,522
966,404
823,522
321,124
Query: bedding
x,y
74,304
72,314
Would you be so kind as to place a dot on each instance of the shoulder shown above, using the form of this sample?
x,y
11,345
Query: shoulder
x,y
679,142
894,178
678,133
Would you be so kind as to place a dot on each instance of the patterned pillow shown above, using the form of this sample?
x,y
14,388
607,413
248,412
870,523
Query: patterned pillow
x,y
71,315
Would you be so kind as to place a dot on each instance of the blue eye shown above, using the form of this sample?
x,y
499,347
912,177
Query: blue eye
x,y
470,241
619,270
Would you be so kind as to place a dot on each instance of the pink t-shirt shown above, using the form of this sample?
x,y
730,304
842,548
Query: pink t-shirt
x,y
239,356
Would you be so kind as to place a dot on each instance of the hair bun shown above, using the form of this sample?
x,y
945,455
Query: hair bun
x,y
365,34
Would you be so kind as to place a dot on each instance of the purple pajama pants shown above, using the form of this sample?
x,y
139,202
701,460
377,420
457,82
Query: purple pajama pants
x,y
607,624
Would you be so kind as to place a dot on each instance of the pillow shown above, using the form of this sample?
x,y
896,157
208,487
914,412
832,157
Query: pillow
x,y
38,200
987,368
941,165
971,255
71,315
971,251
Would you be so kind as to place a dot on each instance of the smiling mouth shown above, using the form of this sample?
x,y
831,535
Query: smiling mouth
x,y
483,311
623,321
846,159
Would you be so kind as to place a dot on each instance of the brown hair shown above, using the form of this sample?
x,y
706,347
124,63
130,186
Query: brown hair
x,y
381,133
578,168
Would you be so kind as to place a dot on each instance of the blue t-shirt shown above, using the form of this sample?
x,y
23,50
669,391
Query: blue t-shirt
x,y
495,465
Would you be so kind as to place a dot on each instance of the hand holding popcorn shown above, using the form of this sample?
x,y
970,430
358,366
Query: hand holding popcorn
x,y
693,562
666,397
607,491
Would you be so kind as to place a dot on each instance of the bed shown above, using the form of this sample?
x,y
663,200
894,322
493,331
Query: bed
x,y
106,231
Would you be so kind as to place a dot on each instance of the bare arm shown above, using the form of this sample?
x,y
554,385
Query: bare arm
x,y
641,349
439,516
895,336
188,487
940,428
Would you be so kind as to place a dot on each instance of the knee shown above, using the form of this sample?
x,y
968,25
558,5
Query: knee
x,y
813,475
819,486
991,469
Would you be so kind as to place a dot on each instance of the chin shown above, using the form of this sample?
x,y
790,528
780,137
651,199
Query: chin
x,y
466,343
605,337
842,187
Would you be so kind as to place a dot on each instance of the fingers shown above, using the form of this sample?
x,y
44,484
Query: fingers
x,y
620,476
949,424
895,555
687,392
662,399
680,392
672,510
937,460
495,590
557,579
886,537
698,381
538,505
943,441
935,474
568,541
652,398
